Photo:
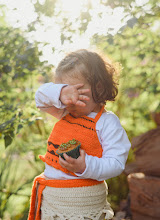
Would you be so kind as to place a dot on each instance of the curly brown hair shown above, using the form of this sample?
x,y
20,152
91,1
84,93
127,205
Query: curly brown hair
x,y
98,73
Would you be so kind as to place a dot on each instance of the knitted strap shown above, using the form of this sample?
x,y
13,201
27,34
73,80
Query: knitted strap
x,y
31,215
41,188
99,114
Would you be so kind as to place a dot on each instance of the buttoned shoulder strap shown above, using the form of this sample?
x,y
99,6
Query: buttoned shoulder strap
x,y
99,114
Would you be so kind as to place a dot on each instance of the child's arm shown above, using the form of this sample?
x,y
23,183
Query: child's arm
x,y
47,99
115,146
53,98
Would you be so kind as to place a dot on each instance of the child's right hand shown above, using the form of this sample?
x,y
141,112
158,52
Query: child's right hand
x,y
73,94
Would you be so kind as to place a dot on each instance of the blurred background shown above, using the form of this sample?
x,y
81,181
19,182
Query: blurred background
x,y
34,36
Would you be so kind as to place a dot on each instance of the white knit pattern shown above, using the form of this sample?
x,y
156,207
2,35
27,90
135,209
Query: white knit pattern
x,y
78,203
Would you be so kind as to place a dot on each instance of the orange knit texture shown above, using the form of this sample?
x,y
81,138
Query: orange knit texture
x,y
82,129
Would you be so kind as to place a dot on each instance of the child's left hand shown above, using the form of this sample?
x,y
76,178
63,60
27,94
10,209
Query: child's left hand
x,y
74,165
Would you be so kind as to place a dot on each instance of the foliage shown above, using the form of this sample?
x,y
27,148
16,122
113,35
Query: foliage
x,y
19,69
47,8
19,63
136,47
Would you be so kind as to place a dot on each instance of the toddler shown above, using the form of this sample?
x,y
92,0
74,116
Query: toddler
x,y
76,188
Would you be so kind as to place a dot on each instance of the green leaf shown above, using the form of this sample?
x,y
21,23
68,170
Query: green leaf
x,y
5,124
8,138
20,126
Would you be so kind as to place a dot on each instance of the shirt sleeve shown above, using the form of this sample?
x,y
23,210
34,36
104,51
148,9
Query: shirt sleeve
x,y
47,99
116,145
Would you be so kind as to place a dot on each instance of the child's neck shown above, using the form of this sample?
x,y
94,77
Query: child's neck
x,y
98,108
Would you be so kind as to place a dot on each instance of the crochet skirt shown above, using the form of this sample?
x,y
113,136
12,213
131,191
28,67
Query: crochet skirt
x,y
85,203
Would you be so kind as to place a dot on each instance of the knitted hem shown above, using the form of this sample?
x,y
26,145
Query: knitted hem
x,y
101,215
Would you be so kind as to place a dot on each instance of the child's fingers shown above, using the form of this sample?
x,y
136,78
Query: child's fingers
x,y
82,153
74,99
68,163
82,91
62,162
84,97
77,86
80,103
67,102
69,159
81,99
74,165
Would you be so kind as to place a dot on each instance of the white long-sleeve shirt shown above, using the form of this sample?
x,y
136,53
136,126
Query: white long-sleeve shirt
x,y
111,134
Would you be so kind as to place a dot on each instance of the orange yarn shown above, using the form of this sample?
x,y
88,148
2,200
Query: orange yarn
x,y
82,129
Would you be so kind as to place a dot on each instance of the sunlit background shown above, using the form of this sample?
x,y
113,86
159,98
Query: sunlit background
x,y
104,19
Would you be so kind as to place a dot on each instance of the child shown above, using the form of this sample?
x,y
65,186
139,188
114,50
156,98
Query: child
x,y
76,188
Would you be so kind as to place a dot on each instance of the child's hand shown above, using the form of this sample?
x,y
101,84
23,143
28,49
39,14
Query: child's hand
x,y
74,165
72,94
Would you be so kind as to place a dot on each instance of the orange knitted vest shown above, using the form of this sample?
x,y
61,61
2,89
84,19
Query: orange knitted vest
x,y
69,127
82,129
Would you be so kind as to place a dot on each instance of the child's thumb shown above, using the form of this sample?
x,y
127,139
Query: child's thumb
x,y
82,153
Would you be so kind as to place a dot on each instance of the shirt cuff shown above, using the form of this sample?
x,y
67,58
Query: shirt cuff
x,y
59,104
48,95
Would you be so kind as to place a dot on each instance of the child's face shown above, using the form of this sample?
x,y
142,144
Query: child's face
x,y
77,110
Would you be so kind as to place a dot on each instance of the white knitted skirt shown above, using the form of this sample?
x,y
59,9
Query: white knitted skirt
x,y
85,203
